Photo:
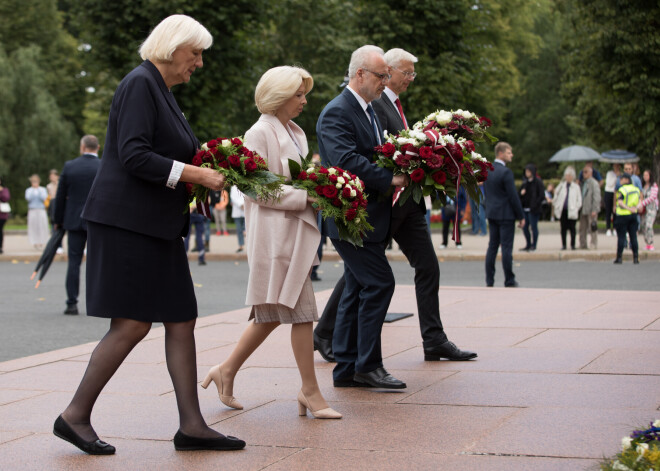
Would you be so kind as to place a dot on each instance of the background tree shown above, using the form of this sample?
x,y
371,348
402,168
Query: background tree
x,y
612,73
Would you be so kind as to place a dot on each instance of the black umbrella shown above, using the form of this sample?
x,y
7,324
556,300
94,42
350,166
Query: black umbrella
x,y
48,255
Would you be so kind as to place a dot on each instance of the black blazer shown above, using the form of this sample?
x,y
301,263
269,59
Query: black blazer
x,y
72,190
502,200
146,132
388,115
346,140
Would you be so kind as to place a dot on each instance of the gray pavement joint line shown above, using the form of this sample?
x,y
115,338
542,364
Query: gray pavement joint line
x,y
543,331
27,434
294,453
522,455
650,324
40,393
236,412
412,393
595,307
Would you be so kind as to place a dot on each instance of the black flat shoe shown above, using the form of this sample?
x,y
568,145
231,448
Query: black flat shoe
x,y
449,351
379,378
95,447
183,442
348,383
324,347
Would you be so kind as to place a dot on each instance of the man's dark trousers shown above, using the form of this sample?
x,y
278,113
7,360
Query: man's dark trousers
x,y
76,243
501,232
369,289
410,231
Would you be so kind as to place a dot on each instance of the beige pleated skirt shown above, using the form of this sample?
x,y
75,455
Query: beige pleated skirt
x,y
304,310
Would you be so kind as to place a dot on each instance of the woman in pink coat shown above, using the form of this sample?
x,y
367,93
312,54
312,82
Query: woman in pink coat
x,y
282,241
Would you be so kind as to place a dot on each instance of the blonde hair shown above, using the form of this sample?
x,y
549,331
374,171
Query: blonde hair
x,y
279,84
173,32
501,147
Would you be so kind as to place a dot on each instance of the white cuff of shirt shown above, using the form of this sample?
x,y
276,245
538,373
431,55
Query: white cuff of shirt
x,y
175,174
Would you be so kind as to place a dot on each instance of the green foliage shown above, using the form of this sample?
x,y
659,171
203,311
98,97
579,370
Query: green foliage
x,y
612,79
34,136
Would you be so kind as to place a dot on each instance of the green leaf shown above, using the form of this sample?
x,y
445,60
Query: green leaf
x,y
294,168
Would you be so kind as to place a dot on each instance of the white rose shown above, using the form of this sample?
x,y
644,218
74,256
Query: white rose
x,y
443,117
341,180
642,448
339,186
357,220
656,423
619,466
477,156
205,148
449,139
225,143
311,170
332,171
347,176
353,193
625,443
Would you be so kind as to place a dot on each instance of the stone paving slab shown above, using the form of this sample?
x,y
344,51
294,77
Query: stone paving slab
x,y
562,376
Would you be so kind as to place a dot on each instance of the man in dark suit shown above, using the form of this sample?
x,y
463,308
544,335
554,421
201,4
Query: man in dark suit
x,y
410,230
348,131
503,208
74,185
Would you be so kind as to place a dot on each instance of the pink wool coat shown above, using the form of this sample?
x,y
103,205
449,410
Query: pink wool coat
x,y
282,236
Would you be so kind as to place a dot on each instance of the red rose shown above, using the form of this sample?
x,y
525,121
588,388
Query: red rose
x,y
234,160
237,142
197,160
332,178
189,187
363,203
409,148
425,152
302,175
223,164
313,177
439,177
355,204
250,165
350,214
469,146
435,161
444,131
467,129
457,117
388,149
323,170
336,202
208,157
346,192
212,143
330,191
485,122
455,151
319,190
417,175
452,126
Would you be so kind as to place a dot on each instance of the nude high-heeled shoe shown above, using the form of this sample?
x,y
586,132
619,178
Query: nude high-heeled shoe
x,y
327,413
215,375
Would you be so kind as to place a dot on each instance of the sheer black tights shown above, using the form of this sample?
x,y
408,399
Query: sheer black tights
x,y
113,349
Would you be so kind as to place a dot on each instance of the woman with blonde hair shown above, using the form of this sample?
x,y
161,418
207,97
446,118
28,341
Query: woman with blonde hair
x,y
136,212
567,203
283,239
37,222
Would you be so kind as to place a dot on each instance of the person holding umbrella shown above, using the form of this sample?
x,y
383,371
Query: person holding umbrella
x,y
72,190
136,212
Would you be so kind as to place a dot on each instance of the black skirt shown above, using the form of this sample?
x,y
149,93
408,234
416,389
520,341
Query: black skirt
x,y
139,277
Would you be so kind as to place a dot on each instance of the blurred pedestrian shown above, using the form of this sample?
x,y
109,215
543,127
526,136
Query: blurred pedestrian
x,y
478,211
198,221
549,192
37,223
532,195
51,188
5,210
649,207
219,202
567,203
72,190
628,197
237,200
590,209
611,179
449,211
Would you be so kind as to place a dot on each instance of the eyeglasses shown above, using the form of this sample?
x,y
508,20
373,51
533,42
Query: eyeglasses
x,y
410,75
381,77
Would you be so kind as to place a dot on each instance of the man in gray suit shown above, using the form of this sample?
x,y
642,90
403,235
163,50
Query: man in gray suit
x,y
410,230
74,185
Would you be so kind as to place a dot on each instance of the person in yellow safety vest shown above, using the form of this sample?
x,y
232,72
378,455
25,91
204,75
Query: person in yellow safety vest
x,y
627,199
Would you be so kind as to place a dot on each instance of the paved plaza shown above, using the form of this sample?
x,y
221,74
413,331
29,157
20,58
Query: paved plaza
x,y
562,375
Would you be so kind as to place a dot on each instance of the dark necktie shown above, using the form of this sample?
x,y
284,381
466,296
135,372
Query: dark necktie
x,y
403,116
374,126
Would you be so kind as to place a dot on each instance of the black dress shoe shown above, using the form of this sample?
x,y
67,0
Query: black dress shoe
x,y
315,277
618,261
201,263
515,284
379,378
183,442
71,310
636,260
449,351
349,383
94,447
324,347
